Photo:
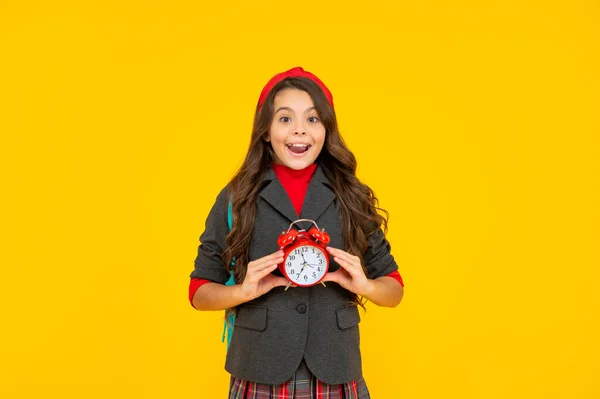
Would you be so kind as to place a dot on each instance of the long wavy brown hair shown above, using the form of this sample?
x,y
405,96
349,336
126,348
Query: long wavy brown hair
x,y
358,204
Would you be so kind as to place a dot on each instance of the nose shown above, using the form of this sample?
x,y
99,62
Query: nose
x,y
299,129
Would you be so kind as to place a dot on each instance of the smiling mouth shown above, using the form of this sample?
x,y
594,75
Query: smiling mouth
x,y
298,148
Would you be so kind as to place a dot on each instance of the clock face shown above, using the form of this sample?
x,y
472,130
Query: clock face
x,y
306,265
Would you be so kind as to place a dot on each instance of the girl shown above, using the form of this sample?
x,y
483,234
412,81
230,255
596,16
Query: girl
x,y
302,342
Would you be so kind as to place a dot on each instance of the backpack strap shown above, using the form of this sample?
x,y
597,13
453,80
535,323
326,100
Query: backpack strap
x,y
228,323
229,214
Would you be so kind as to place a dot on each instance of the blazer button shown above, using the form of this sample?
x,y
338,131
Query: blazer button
x,y
301,308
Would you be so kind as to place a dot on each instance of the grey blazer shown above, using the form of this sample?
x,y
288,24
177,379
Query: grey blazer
x,y
274,332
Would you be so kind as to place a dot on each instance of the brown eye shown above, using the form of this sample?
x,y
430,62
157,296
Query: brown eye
x,y
315,119
284,117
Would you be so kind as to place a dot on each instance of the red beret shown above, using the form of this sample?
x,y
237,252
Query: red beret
x,y
294,72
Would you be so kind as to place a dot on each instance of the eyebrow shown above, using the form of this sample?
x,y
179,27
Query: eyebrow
x,y
289,109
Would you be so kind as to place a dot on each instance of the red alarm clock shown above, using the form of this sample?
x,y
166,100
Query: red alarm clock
x,y
305,260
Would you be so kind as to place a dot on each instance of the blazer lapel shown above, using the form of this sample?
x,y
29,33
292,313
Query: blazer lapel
x,y
318,196
275,194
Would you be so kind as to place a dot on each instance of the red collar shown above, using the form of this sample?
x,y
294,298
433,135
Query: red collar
x,y
287,174
295,182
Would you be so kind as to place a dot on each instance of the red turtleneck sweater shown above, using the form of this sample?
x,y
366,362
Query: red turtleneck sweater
x,y
295,183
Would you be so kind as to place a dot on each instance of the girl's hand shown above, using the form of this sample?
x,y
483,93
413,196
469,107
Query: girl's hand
x,y
350,275
259,280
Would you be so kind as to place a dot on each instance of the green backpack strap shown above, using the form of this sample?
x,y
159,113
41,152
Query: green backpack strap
x,y
228,323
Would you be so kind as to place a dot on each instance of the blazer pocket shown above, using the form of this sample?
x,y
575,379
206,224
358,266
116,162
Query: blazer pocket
x,y
252,317
347,317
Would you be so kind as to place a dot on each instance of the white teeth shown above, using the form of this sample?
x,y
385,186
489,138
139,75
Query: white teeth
x,y
297,145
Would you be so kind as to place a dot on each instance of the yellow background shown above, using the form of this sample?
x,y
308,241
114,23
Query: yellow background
x,y
476,123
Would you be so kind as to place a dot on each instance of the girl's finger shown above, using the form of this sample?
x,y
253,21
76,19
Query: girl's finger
x,y
264,266
333,276
266,261
340,276
275,254
255,276
339,254
349,267
343,255
271,257
259,275
277,281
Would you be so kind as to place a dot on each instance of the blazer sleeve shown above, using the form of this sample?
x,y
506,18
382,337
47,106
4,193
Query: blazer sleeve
x,y
208,264
378,258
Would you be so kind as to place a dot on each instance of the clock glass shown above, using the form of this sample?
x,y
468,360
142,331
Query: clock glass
x,y
306,265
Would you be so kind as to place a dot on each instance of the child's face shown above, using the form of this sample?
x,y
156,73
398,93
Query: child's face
x,y
296,133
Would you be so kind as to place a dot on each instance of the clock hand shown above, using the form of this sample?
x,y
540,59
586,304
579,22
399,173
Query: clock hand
x,y
305,263
309,265
301,270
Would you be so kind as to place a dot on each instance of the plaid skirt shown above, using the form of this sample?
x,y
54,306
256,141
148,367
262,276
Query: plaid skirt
x,y
302,385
